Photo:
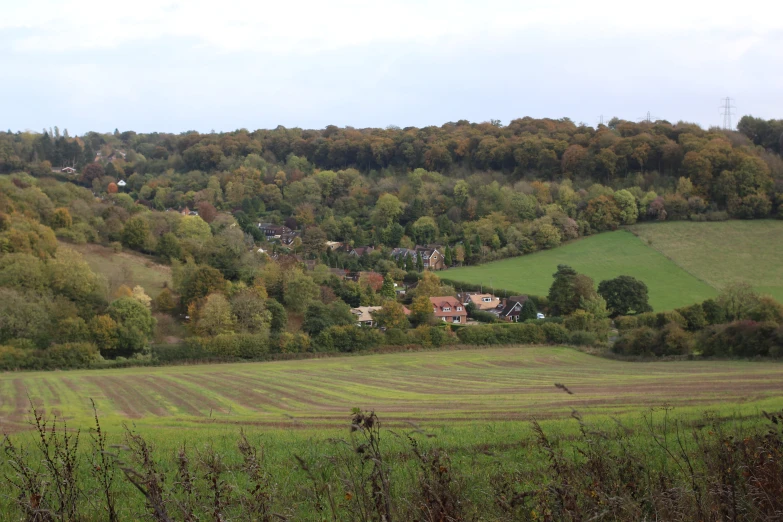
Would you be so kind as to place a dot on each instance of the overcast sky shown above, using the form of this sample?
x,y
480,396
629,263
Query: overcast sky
x,y
158,65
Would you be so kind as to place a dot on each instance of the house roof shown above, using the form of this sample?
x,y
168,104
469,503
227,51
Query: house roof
x,y
364,313
479,302
359,251
511,303
447,302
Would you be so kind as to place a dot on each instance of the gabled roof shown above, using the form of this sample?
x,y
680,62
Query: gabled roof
x,y
513,302
364,313
447,302
479,302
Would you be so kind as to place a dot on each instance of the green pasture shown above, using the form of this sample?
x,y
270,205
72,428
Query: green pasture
x,y
603,256
723,253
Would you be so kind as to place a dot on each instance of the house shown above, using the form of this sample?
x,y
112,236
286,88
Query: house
x,y
364,315
449,309
288,239
272,231
121,183
68,170
360,251
512,308
339,272
334,245
484,302
430,256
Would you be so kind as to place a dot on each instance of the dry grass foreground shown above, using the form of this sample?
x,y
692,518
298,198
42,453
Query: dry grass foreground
x,y
435,388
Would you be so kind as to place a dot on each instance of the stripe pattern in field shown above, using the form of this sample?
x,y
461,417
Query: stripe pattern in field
x,y
465,385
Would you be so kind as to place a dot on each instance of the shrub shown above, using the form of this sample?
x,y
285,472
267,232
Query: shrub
x,y
244,346
626,322
582,338
526,333
694,316
397,337
479,335
555,333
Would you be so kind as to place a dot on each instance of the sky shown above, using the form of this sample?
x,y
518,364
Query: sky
x,y
173,66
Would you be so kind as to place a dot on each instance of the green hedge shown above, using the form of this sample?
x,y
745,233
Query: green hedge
x,y
57,356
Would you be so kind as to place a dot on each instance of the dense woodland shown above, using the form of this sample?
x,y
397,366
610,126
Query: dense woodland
x,y
478,191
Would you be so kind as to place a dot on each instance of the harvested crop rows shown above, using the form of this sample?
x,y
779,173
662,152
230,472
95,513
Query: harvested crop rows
x,y
435,387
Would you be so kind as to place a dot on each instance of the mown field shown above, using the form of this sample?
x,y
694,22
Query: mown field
x,y
473,405
723,253
436,388
125,268
681,262
602,256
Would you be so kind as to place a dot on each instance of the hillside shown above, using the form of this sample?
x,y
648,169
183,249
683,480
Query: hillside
x,y
125,268
723,253
602,256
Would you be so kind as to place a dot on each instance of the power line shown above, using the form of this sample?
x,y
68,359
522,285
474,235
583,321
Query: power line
x,y
727,104
647,119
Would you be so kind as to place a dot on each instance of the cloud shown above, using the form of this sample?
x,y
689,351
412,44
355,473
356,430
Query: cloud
x,y
315,26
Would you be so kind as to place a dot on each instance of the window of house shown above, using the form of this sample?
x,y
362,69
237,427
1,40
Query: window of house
x,y
447,309
487,299
455,319
459,308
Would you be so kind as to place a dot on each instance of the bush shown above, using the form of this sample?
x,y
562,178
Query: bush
x,y
526,333
582,338
626,322
479,335
180,352
555,333
694,316
57,356
348,338
397,337
717,216
742,339
243,346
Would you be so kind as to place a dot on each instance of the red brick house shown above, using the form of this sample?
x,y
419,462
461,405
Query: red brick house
x,y
449,309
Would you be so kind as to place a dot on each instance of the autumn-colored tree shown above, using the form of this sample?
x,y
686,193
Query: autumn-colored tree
x,y
123,291
207,211
61,218
165,302
91,172
422,311
215,316
111,188
392,315
103,330
372,280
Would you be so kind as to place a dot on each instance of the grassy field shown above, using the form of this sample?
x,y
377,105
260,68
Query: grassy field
x,y
125,268
473,404
602,256
438,388
723,253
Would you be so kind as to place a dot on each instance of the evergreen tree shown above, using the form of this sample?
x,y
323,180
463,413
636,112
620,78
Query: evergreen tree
x,y
387,290
529,310
447,257
468,250
419,262
408,263
563,297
